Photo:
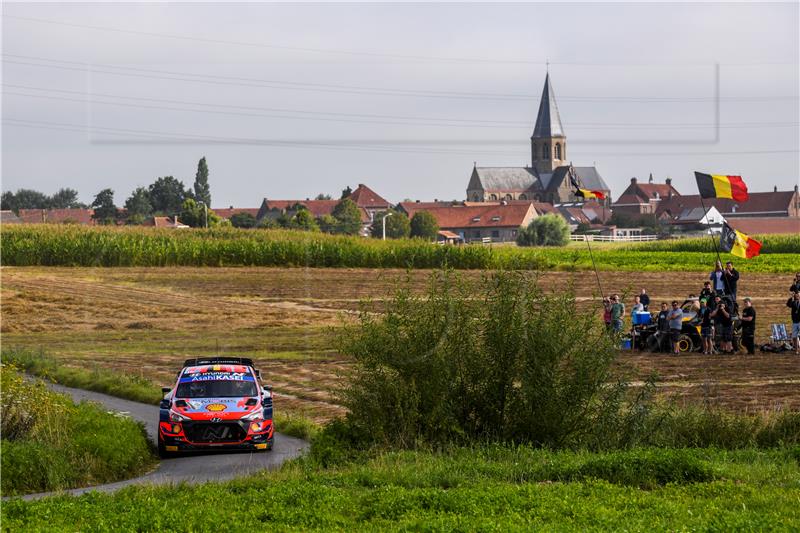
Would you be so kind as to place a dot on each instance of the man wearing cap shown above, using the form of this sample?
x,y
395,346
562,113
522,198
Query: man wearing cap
x,y
749,327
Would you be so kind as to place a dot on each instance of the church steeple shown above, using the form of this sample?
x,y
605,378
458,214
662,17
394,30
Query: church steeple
x,y
548,142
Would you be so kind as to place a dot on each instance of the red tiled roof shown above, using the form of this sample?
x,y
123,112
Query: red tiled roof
x,y
759,202
167,222
318,208
485,216
363,196
57,216
766,225
228,212
405,206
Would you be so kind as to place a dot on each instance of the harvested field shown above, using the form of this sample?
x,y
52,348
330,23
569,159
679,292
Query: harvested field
x,y
147,320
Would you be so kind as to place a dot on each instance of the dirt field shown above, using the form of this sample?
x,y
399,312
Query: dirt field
x,y
147,320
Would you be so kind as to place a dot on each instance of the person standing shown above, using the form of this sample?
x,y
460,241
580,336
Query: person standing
x,y
706,327
675,318
607,313
645,299
794,305
749,327
663,327
731,280
795,284
707,293
724,324
717,279
638,306
617,313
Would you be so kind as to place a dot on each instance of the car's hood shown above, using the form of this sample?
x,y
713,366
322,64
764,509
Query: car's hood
x,y
223,408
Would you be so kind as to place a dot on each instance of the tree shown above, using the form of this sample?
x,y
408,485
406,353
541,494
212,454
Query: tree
x,y
547,230
105,212
243,220
348,216
138,203
424,225
167,195
25,199
202,191
346,192
323,196
65,199
303,220
397,225
198,216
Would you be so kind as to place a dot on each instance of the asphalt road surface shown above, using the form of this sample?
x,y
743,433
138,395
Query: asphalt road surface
x,y
195,468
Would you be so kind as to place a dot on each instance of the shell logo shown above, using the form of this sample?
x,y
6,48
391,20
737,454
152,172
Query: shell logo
x,y
216,407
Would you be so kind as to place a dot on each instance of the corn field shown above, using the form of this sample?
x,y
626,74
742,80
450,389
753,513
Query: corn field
x,y
69,245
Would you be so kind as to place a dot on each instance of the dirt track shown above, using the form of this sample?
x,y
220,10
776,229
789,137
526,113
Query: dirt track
x,y
146,320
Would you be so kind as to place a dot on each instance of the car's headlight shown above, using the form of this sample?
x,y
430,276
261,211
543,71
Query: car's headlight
x,y
254,415
177,417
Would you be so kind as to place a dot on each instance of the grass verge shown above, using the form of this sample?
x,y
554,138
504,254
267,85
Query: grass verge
x,y
482,488
129,387
49,443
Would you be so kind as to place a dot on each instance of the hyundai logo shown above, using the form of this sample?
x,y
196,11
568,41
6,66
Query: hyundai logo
x,y
215,419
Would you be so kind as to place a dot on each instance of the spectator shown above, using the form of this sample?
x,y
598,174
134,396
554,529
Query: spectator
x,y
645,299
796,284
724,326
663,326
706,327
794,305
638,306
695,302
707,293
617,313
717,279
731,280
675,318
607,312
749,327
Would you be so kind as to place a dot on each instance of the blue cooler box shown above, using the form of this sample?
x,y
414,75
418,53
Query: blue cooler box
x,y
625,344
641,319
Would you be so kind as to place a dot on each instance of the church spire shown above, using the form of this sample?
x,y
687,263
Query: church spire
x,y
548,121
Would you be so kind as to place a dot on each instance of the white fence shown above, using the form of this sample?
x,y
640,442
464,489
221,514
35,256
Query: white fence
x,y
613,238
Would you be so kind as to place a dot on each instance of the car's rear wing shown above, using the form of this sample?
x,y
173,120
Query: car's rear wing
x,y
197,361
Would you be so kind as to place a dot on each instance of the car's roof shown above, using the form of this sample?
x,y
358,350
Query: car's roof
x,y
225,369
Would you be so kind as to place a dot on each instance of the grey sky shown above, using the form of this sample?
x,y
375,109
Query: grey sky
x,y
288,112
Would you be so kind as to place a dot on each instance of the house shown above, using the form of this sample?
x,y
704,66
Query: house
x,y
227,212
57,216
448,237
9,217
766,225
166,222
760,204
698,218
547,179
370,201
644,198
498,222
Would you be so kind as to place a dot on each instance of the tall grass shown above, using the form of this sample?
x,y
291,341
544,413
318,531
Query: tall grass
x,y
52,245
49,443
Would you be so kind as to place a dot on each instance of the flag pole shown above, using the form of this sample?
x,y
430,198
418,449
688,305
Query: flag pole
x,y
708,226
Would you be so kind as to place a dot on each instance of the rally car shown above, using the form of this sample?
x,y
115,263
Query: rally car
x,y
216,403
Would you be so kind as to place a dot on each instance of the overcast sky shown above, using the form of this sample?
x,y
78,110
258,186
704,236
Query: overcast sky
x,y
287,101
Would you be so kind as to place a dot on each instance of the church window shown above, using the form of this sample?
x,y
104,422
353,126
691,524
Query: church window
x,y
558,150
534,153
545,155
493,197
509,197
523,197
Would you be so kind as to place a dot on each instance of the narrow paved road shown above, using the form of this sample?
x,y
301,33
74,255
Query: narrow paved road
x,y
218,466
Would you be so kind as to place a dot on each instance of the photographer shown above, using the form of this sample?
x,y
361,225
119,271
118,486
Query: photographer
x,y
722,319
749,327
794,305
795,284
663,327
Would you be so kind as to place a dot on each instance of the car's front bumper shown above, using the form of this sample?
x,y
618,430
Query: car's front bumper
x,y
195,437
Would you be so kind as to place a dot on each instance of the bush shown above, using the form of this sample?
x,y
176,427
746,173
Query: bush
x,y
397,225
424,226
243,220
495,360
546,230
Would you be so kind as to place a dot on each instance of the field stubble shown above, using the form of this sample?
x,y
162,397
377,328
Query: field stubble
x,y
145,321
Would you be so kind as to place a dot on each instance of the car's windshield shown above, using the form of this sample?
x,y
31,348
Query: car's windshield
x,y
216,389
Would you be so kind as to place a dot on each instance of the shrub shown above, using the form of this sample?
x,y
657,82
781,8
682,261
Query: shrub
x,y
424,226
494,360
243,220
546,230
348,217
397,225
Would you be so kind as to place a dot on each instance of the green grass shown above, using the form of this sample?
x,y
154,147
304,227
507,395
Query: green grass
x,y
483,488
49,443
51,245
129,387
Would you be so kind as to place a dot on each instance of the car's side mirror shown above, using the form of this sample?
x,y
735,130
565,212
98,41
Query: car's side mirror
x,y
267,388
258,373
165,404
165,390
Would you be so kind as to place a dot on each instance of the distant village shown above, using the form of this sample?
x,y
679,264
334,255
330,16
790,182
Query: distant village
x,y
498,201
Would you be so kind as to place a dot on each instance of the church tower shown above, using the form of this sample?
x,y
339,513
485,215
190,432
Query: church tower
x,y
548,142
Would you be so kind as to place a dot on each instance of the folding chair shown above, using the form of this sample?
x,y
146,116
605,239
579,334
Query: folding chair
x,y
779,333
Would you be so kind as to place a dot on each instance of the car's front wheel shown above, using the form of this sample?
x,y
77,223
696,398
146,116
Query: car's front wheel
x,y
162,450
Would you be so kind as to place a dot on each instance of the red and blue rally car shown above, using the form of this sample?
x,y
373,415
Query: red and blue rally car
x,y
216,402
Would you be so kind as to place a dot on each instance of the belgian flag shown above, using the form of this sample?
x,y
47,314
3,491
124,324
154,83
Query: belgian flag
x,y
586,194
718,186
737,243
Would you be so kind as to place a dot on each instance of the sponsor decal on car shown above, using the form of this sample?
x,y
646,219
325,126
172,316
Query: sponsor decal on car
x,y
216,376
216,407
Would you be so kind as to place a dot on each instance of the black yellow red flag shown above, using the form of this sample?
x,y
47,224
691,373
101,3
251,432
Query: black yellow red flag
x,y
719,186
738,243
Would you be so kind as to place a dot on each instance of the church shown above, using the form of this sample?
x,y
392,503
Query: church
x,y
547,179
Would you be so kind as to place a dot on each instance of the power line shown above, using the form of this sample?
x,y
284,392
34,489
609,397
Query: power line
x,y
335,145
100,68
444,122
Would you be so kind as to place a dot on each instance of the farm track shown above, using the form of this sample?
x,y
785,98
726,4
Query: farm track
x,y
145,320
